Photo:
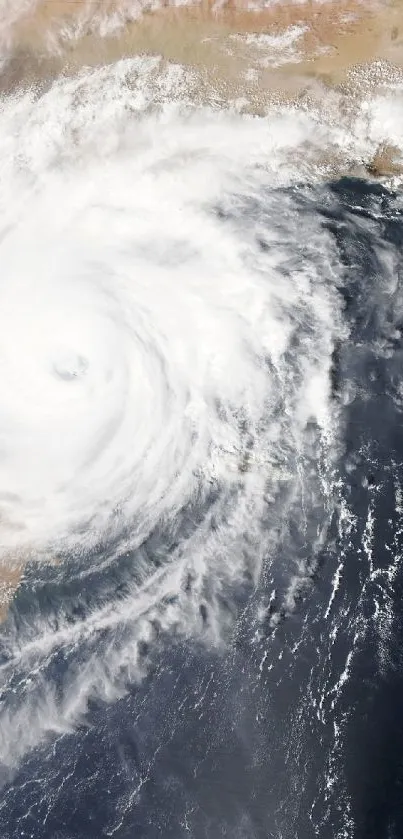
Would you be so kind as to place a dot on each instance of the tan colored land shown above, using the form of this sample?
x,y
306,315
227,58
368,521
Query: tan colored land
x,y
65,34
10,578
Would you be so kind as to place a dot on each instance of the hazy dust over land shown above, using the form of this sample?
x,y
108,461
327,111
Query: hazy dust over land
x,y
283,47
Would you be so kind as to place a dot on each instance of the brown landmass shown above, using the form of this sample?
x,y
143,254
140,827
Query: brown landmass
x,y
10,578
63,35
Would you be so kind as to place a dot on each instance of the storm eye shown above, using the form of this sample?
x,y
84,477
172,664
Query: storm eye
x,y
70,367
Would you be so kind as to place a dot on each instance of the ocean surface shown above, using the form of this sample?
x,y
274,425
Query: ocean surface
x,y
201,464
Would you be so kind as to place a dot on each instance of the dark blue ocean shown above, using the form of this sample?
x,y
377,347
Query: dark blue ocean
x,y
290,731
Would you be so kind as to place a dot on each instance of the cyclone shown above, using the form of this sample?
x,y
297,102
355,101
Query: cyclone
x,y
146,314
168,316
201,471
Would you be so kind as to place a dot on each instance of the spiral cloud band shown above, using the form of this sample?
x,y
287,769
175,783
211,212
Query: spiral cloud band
x,y
167,322
146,319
